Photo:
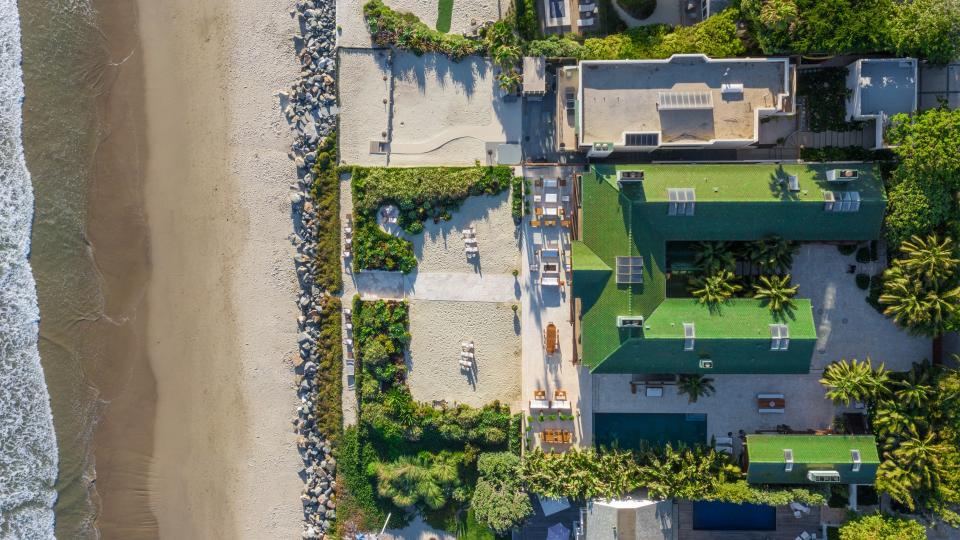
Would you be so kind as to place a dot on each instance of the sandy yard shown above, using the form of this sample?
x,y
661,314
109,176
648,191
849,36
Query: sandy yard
x,y
438,328
440,247
437,112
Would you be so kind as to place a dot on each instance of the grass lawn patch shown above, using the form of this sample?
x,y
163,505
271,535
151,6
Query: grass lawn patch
x,y
421,193
444,15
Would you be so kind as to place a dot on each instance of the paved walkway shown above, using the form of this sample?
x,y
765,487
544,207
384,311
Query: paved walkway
x,y
539,307
456,287
349,397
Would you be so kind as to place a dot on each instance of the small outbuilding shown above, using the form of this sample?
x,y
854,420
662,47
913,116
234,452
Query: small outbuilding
x,y
534,77
629,519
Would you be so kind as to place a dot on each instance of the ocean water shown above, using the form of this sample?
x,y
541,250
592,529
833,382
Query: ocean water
x,y
28,448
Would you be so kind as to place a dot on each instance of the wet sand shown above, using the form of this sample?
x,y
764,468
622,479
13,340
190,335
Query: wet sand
x,y
195,440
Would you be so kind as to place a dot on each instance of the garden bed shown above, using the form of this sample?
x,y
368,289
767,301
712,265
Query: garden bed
x,y
825,93
326,199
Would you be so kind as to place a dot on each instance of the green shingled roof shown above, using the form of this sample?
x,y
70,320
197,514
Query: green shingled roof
x,y
812,448
766,463
748,204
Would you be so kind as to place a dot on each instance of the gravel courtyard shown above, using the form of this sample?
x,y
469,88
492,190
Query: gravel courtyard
x,y
847,326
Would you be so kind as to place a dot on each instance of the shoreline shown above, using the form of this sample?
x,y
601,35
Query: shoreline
x,y
195,392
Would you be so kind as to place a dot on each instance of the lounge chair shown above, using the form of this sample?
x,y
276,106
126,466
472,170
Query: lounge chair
x,y
466,345
467,355
466,364
348,368
534,223
539,405
540,394
567,437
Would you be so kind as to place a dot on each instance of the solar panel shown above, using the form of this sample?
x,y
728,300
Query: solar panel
x,y
779,337
681,201
689,335
685,100
629,269
641,139
841,201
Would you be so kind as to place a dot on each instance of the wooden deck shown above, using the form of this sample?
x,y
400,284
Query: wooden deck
x,y
788,527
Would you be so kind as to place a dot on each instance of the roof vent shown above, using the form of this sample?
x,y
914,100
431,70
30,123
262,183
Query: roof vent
x,y
629,270
625,177
731,88
629,321
855,458
787,459
689,335
706,364
779,337
793,183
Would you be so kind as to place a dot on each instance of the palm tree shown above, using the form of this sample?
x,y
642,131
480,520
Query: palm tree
x,y
770,255
695,386
921,456
930,258
713,257
425,478
917,386
714,289
921,309
890,422
777,291
896,481
855,381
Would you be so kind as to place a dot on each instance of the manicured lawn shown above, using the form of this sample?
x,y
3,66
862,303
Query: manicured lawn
x,y
444,15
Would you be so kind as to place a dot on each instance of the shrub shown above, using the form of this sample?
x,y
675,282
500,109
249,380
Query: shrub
x,y
845,153
358,508
863,281
927,29
847,249
516,433
882,527
863,255
526,22
873,296
325,194
516,197
555,47
740,492
639,9
914,208
838,497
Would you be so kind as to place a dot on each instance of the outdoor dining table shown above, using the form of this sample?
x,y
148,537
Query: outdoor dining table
x,y
550,183
539,404
551,281
551,211
550,198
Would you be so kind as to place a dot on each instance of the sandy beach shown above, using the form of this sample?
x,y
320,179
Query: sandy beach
x,y
213,455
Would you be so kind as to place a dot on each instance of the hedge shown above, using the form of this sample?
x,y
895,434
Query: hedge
x,y
326,199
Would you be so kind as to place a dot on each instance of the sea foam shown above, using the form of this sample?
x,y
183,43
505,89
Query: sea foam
x,y
28,447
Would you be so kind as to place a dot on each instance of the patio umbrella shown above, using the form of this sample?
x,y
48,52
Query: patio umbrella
x,y
558,531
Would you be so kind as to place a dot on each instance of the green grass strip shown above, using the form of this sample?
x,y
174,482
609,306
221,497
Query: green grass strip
x,y
444,15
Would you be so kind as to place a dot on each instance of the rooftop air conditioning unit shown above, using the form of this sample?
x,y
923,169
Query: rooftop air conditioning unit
x,y
630,321
842,175
625,177
823,476
731,88
706,364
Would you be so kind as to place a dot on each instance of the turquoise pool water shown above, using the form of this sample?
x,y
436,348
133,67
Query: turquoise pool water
x,y
631,430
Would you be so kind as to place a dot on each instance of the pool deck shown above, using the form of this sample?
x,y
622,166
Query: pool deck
x,y
788,527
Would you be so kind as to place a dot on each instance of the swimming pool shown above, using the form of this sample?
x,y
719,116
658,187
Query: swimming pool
x,y
720,516
630,430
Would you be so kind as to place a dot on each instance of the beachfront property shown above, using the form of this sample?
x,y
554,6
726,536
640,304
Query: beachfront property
x,y
685,101
631,259
400,109
879,89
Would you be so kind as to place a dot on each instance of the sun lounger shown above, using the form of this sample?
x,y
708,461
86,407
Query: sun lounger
x,y
585,22
346,254
560,394
551,211
467,355
567,437
466,345
723,441
348,368
348,342
471,250
534,223
563,405
539,394
539,405
654,391
797,507
466,364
